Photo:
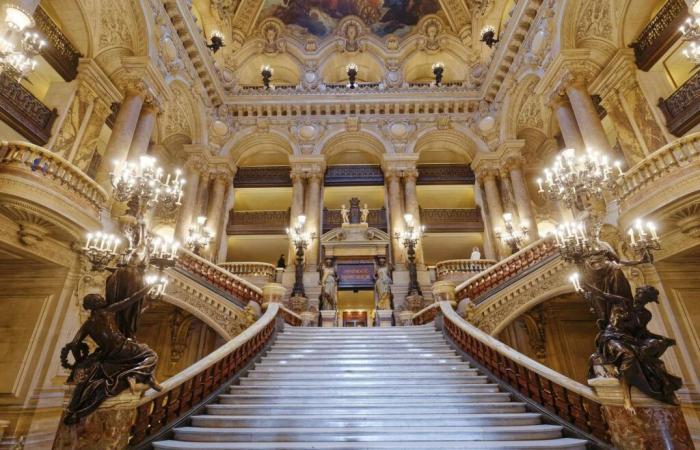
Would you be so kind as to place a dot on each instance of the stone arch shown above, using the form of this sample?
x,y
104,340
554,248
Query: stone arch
x,y
448,140
589,24
554,292
243,145
524,110
362,141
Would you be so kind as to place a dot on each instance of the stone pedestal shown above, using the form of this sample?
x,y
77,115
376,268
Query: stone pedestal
x,y
414,303
405,318
328,318
309,319
273,293
652,424
383,317
107,428
444,291
298,304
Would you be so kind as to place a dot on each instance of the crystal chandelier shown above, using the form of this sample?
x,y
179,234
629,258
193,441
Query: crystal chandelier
x,y
512,235
199,236
573,241
100,249
19,46
691,34
143,181
572,179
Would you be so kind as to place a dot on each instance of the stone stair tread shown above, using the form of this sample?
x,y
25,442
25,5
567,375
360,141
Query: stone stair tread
x,y
380,382
561,443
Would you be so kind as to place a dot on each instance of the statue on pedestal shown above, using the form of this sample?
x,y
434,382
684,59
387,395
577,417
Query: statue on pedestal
x,y
365,214
382,286
344,213
329,286
118,362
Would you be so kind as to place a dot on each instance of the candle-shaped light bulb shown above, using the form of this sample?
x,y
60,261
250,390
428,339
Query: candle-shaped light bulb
x,y
89,239
539,185
652,230
301,220
631,233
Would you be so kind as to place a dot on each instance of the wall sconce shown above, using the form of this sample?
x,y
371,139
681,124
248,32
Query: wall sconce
x,y
488,36
217,41
352,74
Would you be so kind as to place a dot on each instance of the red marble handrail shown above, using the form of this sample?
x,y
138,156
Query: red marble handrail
x,y
506,270
218,277
426,315
571,401
193,385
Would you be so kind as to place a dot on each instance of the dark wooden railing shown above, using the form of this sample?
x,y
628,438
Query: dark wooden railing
x,y
208,273
500,274
439,220
660,34
567,399
445,174
257,222
354,175
59,52
269,176
682,108
333,219
189,389
25,113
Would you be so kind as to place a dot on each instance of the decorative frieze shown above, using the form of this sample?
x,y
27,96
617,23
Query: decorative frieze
x,y
269,176
354,175
439,220
445,174
257,222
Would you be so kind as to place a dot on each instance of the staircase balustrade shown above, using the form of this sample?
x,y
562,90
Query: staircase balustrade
x,y
571,401
208,272
426,315
507,270
183,393
265,271
448,269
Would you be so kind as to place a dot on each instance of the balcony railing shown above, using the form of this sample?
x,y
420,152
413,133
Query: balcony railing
x,y
270,176
507,270
218,278
25,113
682,108
660,34
258,222
461,268
333,219
258,270
59,52
452,220
38,165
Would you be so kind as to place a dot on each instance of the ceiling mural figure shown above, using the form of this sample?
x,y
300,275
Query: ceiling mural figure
x,y
321,17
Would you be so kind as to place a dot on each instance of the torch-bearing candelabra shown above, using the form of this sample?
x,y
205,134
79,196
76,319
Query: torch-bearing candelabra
x,y
512,235
351,70
301,239
409,238
199,236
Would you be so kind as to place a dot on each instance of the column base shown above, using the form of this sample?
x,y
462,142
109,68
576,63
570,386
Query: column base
x,y
405,318
652,424
309,319
384,318
328,318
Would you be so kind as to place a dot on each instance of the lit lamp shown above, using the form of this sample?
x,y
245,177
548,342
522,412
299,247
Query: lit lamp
x,y
352,75
199,236
438,69
266,72
100,249
19,45
644,240
488,36
512,235
409,238
217,41
301,239
691,34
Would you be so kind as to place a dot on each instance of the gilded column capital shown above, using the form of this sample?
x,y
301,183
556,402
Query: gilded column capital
x,y
308,166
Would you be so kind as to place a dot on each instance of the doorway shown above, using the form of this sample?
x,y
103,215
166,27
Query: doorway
x,y
356,307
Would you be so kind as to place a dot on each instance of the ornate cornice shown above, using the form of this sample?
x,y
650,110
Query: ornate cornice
x,y
566,68
398,164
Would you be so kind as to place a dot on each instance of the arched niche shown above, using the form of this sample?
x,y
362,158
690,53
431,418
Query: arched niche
x,y
444,147
353,148
419,67
286,69
369,68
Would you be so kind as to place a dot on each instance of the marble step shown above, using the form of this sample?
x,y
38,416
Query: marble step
x,y
384,361
313,400
369,434
362,382
338,421
463,407
436,372
550,444
379,348
369,331
433,339
308,391
367,366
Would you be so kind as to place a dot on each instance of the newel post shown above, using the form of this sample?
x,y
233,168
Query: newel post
x,y
274,293
652,424
444,291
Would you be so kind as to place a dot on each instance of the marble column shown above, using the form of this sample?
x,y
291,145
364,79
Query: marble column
x,y
222,252
507,195
587,118
493,199
215,210
203,194
410,179
522,199
567,122
489,242
395,215
119,142
193,171
143,132
313,222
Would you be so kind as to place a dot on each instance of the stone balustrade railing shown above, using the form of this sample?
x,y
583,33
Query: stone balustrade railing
x,y
661,164
448,269
360,88
571,401
184,392
29,160
217,277
505,271
265,271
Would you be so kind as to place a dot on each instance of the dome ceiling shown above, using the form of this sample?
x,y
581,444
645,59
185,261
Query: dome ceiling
x,y
320,17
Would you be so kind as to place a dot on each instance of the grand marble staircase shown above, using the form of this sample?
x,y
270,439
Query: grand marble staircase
x,y
371,388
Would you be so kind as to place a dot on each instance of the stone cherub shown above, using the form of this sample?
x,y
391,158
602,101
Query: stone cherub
x,y
365,214
118,363
344,213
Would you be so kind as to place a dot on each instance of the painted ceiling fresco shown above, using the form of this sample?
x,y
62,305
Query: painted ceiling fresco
x,y
320,17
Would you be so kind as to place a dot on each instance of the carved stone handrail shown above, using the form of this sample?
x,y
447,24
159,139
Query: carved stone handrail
x,y
27,159
25,113
446,269
660,34
569,400
219,278
186,390
498,275
265,271
682,108
662,164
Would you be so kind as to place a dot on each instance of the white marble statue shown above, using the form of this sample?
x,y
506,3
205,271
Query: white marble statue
x,y
329,285
365,214
345,213
476,254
